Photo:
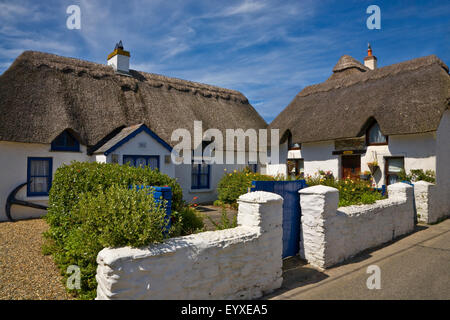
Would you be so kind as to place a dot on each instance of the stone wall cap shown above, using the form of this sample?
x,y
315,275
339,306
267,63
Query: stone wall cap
x,y
425,183
260,197
399,186
318,190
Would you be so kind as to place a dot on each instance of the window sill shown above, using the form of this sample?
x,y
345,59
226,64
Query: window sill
x,y
200,190
36,198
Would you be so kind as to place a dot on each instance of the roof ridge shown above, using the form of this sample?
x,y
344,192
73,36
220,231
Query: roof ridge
x,y
147,75
372,75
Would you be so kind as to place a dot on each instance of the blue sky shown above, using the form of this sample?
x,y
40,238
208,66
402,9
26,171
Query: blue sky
x,y
269,50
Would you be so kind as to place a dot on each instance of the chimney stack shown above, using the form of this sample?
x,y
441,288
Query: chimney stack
x,y
119,59
370,61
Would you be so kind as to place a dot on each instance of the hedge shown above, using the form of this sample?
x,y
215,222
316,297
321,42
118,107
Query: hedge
x,y
92,207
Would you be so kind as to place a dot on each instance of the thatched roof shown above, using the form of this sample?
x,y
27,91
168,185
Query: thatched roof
x,y
404,98
43,94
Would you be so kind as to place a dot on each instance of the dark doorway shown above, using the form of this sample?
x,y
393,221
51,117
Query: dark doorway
x,y
351,167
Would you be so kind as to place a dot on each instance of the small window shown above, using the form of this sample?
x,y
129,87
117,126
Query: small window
x,y
394,166
65,142
39,176
200,175
374,135
141,161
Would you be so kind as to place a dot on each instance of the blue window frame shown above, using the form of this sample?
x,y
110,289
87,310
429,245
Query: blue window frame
x,y
39,176
141,161
201,173
65,142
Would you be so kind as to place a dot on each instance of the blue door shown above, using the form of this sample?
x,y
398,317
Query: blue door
x,y
291,210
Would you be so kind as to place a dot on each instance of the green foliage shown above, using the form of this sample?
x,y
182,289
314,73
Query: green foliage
x,y
418,175
186,221
114,217
233,185
80,191
225,222
350,192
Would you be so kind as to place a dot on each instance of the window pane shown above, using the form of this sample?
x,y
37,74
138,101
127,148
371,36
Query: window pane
x,y
70,141
301,166
128,160
153,162
395,165
194,183
60,140
194,168
39,184
141,162
375,135
204,168
39,168
393,179
204,180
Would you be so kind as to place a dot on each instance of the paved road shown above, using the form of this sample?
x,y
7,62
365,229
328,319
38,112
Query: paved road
x,y
414,267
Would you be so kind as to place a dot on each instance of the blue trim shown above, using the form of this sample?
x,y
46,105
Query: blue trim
x,y
49,177
140,156
65,147
135,133
198,176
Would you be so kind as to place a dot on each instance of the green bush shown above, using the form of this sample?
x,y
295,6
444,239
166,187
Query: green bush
x,y
90,182
186,221
418,175
117,216
233,185
71,181
350,192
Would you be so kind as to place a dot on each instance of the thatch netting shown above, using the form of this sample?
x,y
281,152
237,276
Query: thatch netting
x,y
43,94
405,98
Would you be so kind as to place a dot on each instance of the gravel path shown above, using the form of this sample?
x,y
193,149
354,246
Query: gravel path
x,y
25,273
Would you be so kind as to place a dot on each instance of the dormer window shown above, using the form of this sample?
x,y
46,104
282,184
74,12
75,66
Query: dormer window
x,y
374,136
65,142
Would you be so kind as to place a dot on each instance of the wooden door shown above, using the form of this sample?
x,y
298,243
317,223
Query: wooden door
x,y
351,167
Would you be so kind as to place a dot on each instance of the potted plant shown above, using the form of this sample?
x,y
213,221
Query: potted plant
x,y
373,166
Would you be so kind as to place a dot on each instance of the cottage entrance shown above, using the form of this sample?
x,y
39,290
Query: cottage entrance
x,y
291,210
351,166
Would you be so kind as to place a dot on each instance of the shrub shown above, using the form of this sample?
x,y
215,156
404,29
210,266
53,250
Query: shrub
x,y
225,222
117,216
90,183
233,185
186,221
418,175
71,181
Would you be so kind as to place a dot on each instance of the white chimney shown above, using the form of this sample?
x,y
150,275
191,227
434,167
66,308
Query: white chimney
x,y
370,61
119,59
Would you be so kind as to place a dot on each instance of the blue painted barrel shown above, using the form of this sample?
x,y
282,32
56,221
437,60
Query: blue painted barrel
x,y
291,210
159,194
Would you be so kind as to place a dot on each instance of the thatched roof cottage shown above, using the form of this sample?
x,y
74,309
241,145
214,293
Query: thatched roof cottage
x,y
56,109
364,118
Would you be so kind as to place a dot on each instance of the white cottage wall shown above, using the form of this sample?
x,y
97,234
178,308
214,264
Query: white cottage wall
x,y
144,144
443,164
13,171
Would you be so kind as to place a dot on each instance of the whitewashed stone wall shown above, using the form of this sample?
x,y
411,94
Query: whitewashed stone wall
x,y
430,202
331,235
239,263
